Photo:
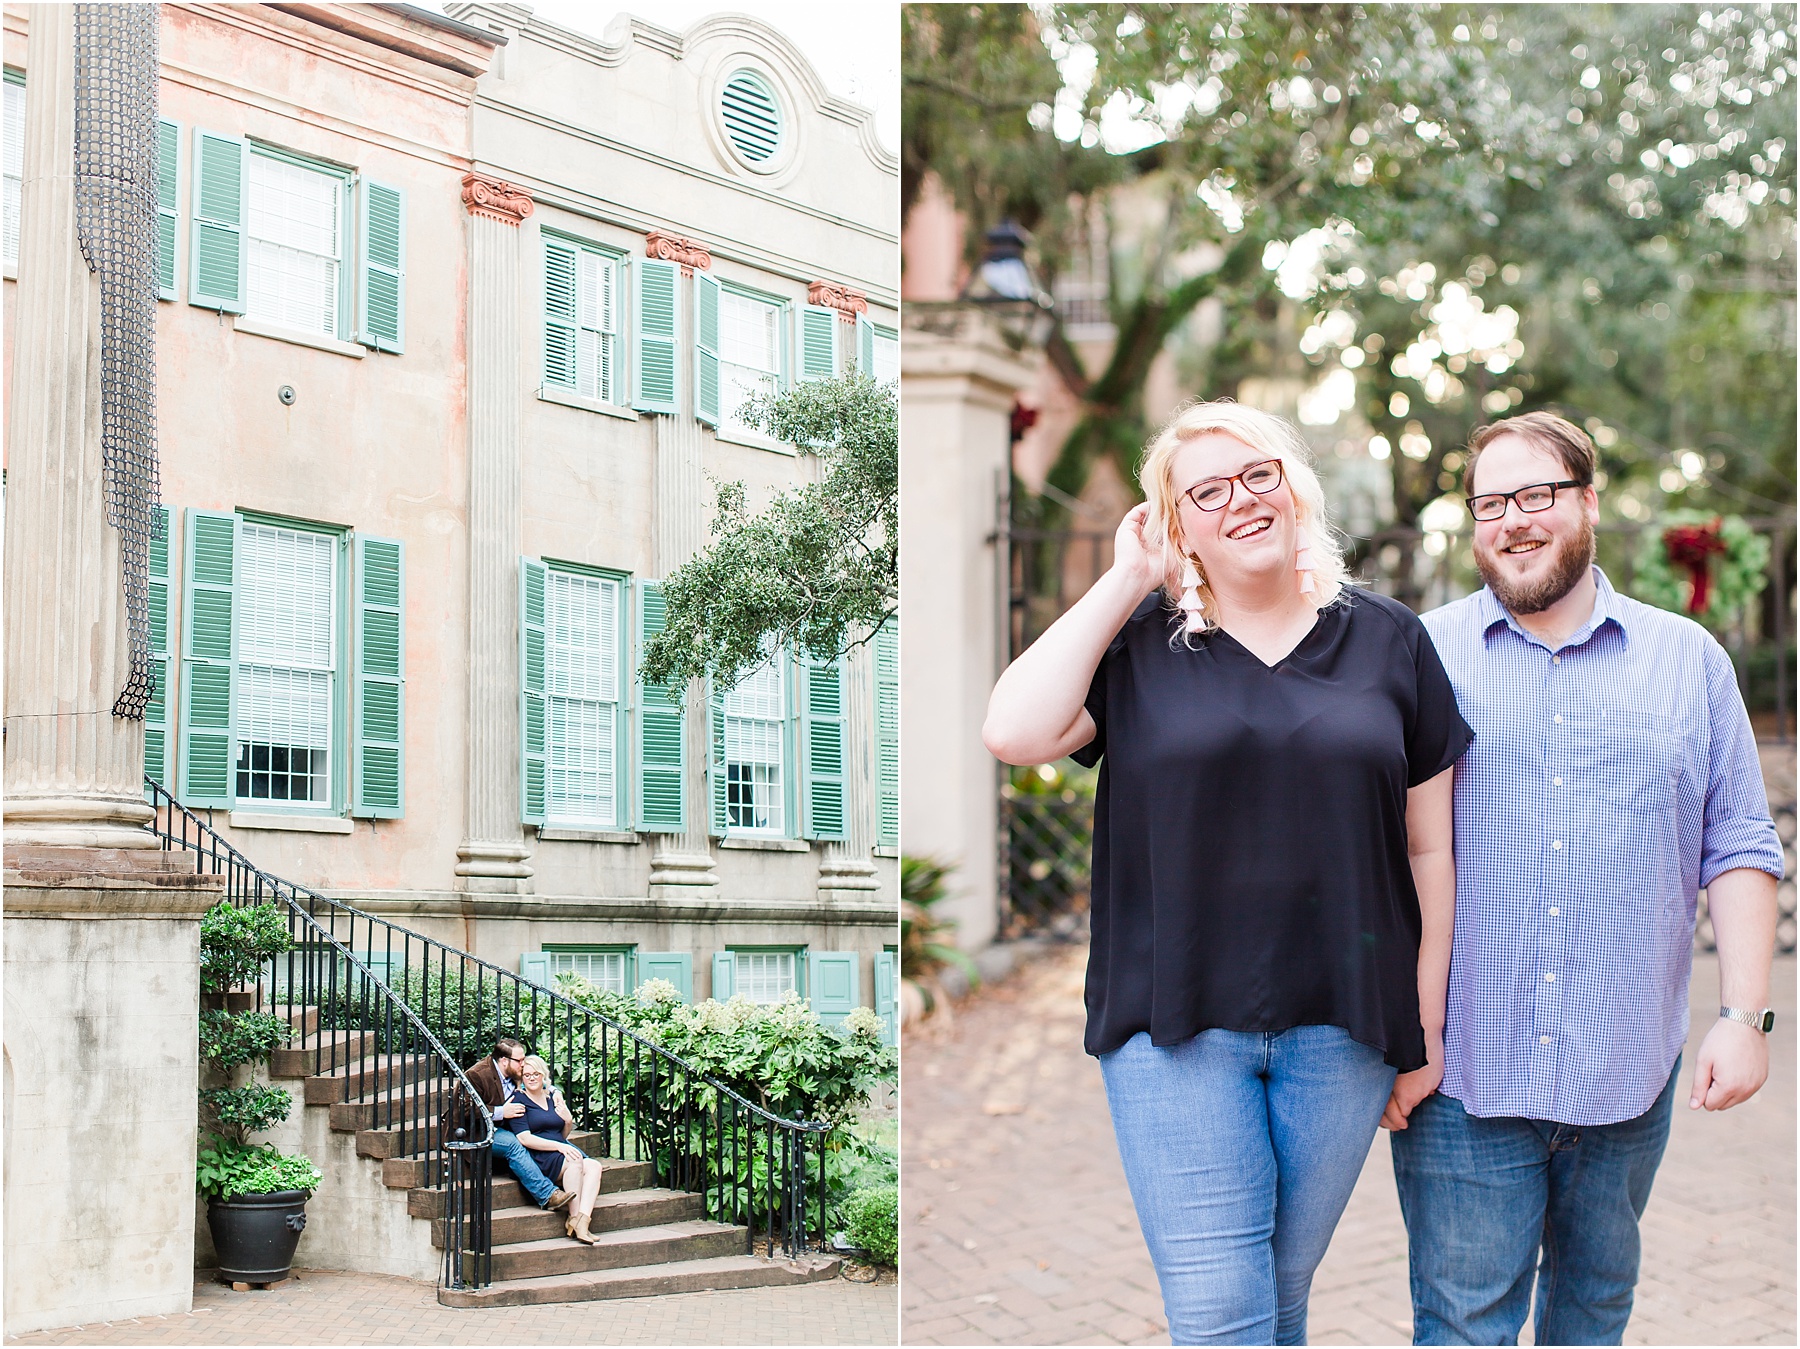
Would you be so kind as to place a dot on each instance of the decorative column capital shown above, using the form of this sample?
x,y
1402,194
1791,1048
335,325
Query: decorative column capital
x,y
496,200
669,248
849,303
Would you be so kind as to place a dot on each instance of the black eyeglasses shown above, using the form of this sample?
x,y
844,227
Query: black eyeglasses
x,y
1212,494
1538,497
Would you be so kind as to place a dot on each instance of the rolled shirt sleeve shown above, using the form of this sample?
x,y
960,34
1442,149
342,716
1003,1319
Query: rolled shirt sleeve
x,y
1737,830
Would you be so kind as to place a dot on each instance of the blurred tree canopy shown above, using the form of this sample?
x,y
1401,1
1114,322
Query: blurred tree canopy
x,y
1429,215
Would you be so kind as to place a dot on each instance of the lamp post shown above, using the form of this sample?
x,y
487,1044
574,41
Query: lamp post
x,y
1003,284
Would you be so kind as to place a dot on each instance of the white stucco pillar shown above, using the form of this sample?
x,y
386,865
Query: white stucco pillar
x,y
493,856
74,772
958,391
683,864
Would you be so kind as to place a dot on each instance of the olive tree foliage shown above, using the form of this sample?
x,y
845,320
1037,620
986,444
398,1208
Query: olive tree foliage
x,y
816,570
1429,214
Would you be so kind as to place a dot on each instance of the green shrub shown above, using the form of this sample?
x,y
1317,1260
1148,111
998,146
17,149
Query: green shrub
x,y
228,1169
235,943
231,1039
242,1111
872,1222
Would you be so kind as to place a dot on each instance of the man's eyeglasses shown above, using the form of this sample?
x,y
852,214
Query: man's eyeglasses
x,y
1212,494
1538,497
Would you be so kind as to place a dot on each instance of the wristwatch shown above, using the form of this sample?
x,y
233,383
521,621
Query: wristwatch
x,y
1763,1021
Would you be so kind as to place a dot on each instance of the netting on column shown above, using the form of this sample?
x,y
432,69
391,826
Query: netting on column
x,y
116,71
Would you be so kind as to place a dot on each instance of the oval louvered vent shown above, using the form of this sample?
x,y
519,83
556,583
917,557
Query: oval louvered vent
x,y
752,116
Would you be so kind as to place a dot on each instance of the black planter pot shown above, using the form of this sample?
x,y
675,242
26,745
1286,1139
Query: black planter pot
x,y
255,1234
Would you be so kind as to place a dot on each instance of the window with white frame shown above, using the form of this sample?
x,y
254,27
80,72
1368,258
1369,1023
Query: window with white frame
x,y
581,690
287,586
603,969
749,352
580,323
755,742
12,164
294,229
887,357
764,976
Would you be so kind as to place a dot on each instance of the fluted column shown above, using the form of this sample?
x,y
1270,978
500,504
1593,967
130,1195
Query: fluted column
x,y
493,856
846,865
74,772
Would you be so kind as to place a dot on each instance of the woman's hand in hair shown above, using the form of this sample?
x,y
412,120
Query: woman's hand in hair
x,y
1132,557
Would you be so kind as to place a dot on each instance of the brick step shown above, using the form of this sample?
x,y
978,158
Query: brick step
x,y
685,1276
611,1213
329,1049
303,1020
661,1244
371,1074
416,1101
615,1178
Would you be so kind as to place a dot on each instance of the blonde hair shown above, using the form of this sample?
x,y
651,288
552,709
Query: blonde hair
x,y
533,1061
1263,432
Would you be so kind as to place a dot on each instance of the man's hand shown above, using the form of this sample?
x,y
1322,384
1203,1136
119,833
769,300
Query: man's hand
x,y
1409,1090
511,1110
1731,1067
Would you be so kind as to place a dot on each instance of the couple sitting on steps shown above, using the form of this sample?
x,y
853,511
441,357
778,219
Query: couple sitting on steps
x,y
530,1127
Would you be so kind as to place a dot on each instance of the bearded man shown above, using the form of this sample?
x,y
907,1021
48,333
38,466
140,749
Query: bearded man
x,y
1613,775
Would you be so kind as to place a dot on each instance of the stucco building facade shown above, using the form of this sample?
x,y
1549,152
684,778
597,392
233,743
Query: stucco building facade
x,y
458,316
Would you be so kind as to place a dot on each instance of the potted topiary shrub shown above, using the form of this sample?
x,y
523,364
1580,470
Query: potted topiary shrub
x,y
256,1196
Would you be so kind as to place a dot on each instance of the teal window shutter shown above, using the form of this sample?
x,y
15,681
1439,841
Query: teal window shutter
x,y
534,968
822,752
168,210
885,989
156,715
715,768
724,982
865,347
675,966
206,667
887,735
561,290
818,342
831,982
657,386
378,751
661,733
381,304
216,254
531,691
706,348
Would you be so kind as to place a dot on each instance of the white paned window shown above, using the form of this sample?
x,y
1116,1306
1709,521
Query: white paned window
x,y
764,976
604,969
887,359
287,581
12,167
581,691
749,352
594,338
755,726
295,244
580,319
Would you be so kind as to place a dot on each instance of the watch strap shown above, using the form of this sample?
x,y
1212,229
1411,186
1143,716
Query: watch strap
x,y
1763,1021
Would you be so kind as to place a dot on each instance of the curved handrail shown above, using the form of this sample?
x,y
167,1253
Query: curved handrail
x,y
785,1145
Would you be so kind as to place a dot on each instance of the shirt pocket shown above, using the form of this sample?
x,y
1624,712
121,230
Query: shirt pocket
x,y
1642,758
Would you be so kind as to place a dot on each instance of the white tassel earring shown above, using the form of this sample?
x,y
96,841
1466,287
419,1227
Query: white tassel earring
x,y
1190,603
1303,559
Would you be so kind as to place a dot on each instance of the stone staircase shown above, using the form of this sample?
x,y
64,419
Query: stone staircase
x,y
652,1240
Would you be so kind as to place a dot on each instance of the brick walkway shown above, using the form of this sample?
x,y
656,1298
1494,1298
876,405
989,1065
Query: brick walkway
x,y
1017,1227
325,1307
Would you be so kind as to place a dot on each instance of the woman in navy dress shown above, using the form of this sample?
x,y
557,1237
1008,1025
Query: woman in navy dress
x,y
543,1130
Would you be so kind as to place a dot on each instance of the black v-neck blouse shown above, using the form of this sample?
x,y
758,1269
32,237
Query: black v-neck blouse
x,y
1250,867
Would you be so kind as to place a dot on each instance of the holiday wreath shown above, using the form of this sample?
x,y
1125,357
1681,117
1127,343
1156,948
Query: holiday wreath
x,y
1706,566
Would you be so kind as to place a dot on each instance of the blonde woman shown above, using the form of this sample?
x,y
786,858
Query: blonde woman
x,y
1273,882
543,1130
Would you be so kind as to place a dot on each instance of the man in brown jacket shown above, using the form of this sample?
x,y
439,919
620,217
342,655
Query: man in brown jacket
x,y
492,1079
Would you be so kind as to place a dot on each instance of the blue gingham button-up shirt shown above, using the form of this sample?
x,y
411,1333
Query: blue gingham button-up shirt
x,y
1611,778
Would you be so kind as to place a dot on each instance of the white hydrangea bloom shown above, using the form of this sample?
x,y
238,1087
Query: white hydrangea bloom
x,y
653,992
863,1021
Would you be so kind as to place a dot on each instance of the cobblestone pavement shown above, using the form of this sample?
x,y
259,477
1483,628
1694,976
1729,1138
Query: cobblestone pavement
x,y
326,1307
1017,1227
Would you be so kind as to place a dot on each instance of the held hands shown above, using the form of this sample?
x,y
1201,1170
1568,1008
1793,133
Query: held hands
x,y
1731,1067
511,1110
1411,1088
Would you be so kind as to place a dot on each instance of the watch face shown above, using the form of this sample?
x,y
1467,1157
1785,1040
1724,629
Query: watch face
x,y
1768,1022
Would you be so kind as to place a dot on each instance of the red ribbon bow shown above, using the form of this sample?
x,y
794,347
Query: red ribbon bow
x,y
1692,546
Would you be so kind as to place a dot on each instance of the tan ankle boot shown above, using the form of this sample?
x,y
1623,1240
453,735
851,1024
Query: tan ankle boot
x,y
578,1228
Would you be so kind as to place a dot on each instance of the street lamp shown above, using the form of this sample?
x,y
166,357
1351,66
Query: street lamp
x,y
1004,285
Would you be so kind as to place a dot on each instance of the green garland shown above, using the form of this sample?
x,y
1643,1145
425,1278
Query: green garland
x,y
1738,574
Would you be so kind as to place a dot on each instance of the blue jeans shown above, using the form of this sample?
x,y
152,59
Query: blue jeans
x,y
1241,1149
515,1154
1490,1202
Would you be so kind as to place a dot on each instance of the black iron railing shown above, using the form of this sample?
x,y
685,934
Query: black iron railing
x,y
432,1008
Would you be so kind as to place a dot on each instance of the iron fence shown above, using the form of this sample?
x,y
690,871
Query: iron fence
x,y
430,1010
